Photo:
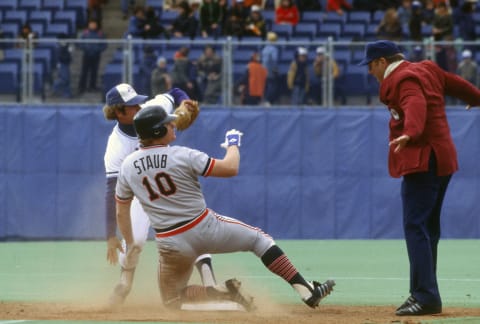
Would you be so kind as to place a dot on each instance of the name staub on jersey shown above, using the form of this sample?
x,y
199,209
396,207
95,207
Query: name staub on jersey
x,y
152,161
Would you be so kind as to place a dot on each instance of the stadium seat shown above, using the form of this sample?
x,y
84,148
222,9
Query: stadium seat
x,y
354,30
332,18
342,56
39,79
38,28
44,57
427,30
80,7
283,30
56,29
10,30
156,4
111,76
359,17
355,82
8,5
9,71
30,5
377,17
43,17
239,70
242,55
167,17
306,29
66,16
19,17
269,15
311,16
287,55
357,55
371,32
330,29
53,5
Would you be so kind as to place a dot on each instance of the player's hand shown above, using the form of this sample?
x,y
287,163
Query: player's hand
x,y
400,142
113,244
232,137
468,107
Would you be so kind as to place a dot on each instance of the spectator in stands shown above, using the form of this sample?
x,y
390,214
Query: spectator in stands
x,y
255,24
270,57
364,5
63,53
338,6
235,21
210,18
185,24
390,27
25,34
160,82
416,22
92,52
223,14
429,11
466,22
152,29
442,25
136,23
322,61
148,62
252,85
209,75
183,73
287,13
467,68
297,77
404,12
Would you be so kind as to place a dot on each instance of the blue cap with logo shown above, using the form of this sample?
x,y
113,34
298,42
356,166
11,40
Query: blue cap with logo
x,y
378,49
124,94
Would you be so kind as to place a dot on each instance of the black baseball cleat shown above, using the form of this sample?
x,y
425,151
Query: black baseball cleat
x,y
408,301
319,292
238,295
415,308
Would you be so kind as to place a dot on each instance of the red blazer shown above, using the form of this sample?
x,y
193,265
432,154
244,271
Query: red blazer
x,y
414,95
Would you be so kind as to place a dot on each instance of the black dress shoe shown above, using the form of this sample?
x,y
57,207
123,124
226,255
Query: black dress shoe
x,y
410,300
416,308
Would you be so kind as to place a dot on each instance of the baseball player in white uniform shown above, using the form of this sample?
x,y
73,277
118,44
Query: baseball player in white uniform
x,y
164,179
122,102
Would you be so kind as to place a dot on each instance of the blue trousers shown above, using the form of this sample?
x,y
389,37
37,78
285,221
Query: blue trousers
x,y
422,198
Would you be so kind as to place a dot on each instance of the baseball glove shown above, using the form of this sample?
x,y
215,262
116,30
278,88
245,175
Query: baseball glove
x,y
186,113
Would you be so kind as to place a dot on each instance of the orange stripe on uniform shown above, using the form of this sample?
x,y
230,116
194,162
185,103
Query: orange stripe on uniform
x,y
183,228
210,168
122,200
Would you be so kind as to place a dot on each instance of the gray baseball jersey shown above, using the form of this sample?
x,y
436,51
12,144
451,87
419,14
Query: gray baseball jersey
x,y
165,181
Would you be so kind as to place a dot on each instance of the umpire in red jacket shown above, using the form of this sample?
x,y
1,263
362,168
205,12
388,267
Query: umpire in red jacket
x,y
423,153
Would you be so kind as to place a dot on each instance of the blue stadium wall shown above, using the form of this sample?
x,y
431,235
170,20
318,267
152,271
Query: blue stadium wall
x,y
305,173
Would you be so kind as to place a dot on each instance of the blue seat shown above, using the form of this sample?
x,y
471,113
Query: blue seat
x,y
332,18
112,75
283,30
329,29
53,5
168,16
311,16
427,30
269,16
377,17
242,55
15,16
39,79
287,55
354,30
10,30
306,29
362,17
43,56
157,4
43,17
371,32
355,82
38,28
9,71
8,5
68,17
30,5
239,70
56,29
80,7
342,56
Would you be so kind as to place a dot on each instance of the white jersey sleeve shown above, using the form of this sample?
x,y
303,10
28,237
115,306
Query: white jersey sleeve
x,y
165,100
119,146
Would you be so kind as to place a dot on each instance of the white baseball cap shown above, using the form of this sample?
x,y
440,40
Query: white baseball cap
x,y
255,8
124,94
320,50
302,51
466,54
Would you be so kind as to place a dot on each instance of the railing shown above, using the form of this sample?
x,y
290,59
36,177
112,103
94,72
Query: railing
x,y
36,74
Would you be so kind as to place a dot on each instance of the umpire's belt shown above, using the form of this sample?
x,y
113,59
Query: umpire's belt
x,y
180,227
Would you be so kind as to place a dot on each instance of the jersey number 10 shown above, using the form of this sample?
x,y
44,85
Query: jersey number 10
x,y
164,184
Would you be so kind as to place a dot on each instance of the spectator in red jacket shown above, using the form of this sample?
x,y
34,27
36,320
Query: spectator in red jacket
x,y
338,6
287,13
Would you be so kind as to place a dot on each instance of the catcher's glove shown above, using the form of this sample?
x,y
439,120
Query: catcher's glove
x,y
186,113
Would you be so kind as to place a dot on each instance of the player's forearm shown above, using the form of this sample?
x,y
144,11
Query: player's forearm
x,y
111,223
232,160
178,95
